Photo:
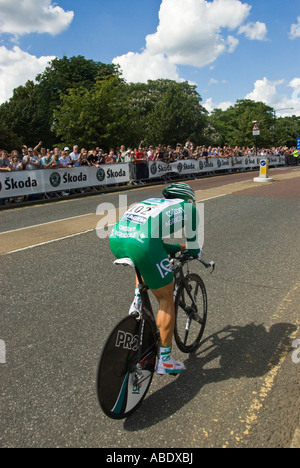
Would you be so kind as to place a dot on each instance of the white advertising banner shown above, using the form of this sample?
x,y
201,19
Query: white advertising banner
x,y
193,166
189,166
19,183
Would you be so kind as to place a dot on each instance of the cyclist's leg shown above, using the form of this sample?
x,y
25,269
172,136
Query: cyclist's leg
x,y
166,313
137,301
154,265
166,323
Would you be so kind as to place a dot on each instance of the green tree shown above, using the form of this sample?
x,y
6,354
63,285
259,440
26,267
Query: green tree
x,y
64,74
29,113
99,116
8,139
286,131
22,114
112,113
176,113
234,126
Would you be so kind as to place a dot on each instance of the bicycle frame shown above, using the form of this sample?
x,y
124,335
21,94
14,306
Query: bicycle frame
x,y
148,311
183,259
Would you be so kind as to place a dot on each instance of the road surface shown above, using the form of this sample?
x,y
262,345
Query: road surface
x,y
61,296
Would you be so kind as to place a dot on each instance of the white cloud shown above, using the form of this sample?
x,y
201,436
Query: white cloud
x,y
210,105
190,32
286,99
18,18
265,91
254,31
16,67
282,96
295,83
33,16
139,68
295,30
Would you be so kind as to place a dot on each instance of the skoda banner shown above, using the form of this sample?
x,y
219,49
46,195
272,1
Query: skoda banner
x,y
200,166
19,183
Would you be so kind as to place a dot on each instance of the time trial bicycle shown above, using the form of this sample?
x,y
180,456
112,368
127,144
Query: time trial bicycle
x,y
128,359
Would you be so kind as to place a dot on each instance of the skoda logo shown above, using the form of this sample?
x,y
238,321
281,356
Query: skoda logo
x,y
0,186
153,168
55,179
101,174
201,165
179,167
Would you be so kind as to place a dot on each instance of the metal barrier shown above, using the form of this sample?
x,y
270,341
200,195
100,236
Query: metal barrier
x,y
57,183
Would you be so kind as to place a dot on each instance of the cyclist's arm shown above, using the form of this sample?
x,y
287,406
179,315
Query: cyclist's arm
x,y
191,230
172,249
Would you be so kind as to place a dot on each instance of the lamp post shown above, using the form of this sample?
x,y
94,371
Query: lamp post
x,y
256,133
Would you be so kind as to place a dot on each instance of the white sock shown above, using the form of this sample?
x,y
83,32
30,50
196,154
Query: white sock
x,y
165,353
137,297
137,302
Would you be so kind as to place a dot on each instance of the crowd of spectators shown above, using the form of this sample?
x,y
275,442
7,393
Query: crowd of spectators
x,y
42,158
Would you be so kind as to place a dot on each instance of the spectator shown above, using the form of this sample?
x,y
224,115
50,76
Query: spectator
x,y
83,161
43,153
128,158
150,154
46,161
64,159
140,166
31,162
16,164
24,152
93,158
109,158
4,162
120,158
102,157
205,154
124,152
159,154
75,156
112,155
55,163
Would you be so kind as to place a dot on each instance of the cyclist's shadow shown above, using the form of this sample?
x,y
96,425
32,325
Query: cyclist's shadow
x,y
249,351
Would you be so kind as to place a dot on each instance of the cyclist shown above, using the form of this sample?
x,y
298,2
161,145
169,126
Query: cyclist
x,y
138,235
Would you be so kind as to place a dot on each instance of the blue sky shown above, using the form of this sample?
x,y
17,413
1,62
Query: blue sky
x,y
230,49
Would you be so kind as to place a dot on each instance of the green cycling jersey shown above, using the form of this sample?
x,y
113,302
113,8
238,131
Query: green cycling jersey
x,y
140,232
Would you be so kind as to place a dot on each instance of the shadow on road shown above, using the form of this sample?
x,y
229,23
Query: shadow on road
x,y
250,351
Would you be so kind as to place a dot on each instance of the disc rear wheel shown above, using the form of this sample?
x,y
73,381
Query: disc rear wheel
x,y
122,379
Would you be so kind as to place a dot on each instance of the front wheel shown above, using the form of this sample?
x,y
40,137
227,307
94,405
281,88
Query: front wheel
x,y
122,378
190,312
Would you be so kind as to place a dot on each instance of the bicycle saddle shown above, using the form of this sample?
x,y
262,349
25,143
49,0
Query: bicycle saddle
x,y
125,261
